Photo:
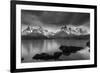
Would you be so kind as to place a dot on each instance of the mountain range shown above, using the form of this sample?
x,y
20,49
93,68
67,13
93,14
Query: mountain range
x,y
39,32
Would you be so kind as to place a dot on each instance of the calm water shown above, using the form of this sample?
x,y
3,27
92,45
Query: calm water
x,y
32,47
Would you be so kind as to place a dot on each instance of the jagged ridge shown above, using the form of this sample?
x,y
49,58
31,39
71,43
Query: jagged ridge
x,y
39,32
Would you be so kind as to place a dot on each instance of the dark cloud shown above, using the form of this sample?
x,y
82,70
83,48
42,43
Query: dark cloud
x,y
30,18
53,18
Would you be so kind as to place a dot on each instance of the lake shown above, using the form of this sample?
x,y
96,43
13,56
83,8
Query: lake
x,y
30,48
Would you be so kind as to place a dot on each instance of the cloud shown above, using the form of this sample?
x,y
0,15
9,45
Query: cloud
x,y
30,19
50,18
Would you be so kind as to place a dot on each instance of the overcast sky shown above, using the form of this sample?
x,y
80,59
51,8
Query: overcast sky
x,y
53,20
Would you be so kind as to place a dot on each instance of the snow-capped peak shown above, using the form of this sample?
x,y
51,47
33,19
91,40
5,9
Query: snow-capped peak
x,y
37,29
68,29
76,30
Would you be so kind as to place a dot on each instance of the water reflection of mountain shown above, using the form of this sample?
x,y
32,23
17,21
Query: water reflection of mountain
x,y
56,36
64,49
33,36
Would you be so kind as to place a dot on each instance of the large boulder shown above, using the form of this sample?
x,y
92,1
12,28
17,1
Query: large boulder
x,y
88,44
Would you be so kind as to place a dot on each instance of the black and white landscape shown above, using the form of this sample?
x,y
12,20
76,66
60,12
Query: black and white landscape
x,y
54,36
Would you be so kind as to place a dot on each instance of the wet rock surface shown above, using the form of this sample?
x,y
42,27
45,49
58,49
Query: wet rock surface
x,y
22,59
65,50
88,44
46,56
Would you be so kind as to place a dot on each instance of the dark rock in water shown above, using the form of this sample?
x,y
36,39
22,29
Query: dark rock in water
x,y
67,50
57,55
46,56
42,56
89,50
70,48
63,48
37,57
22,59
66,53
88,44
74,49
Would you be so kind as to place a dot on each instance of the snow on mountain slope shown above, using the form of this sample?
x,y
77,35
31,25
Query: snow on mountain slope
x,y
64,31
